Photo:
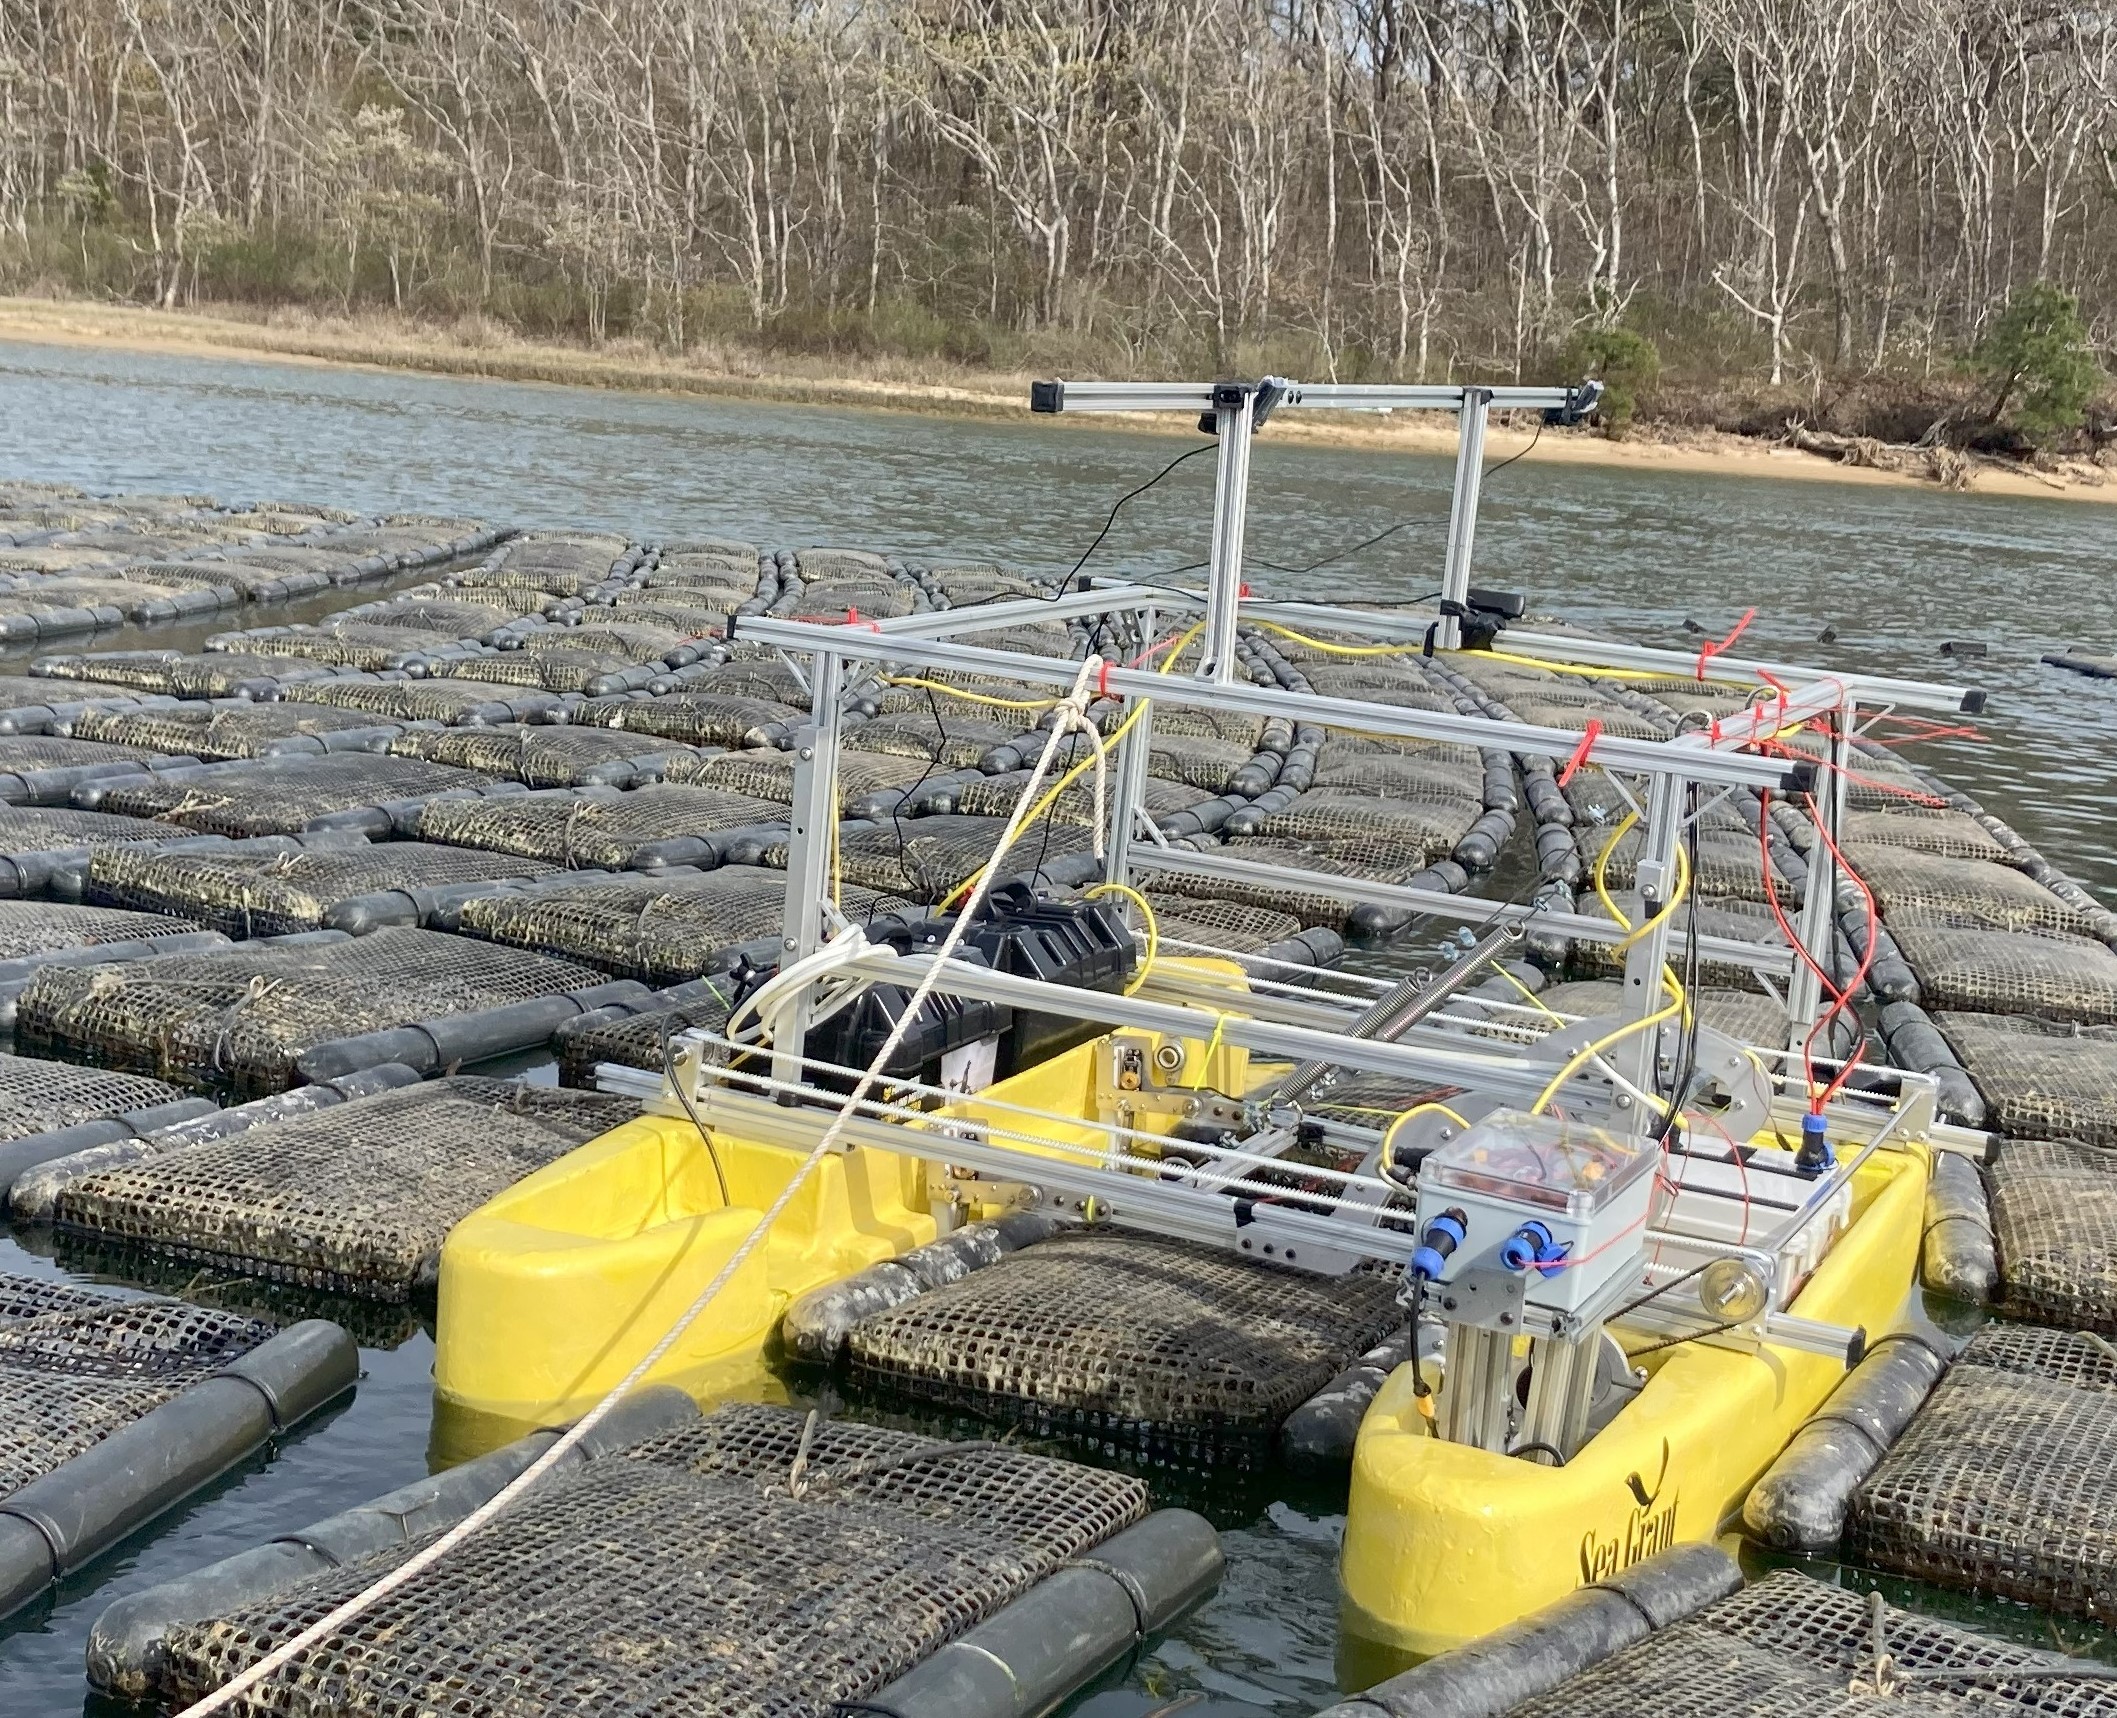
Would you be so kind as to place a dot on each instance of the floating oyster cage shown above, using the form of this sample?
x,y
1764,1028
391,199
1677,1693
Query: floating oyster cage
x,y
1422,1036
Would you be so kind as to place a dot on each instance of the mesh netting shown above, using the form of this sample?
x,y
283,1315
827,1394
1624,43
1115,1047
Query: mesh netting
x,y
25,752
269,894
2054,1221
28,691
540,756
997,796
1872,784
351,644
1229,725
355,1199
282,796
214,674
680,1576
1953,834
214,731
1743,921
557,669
444,616
953,743
766,774
661,608
1930,889
242,1016
2040,1080
43,927
571,830
696,718
1618,723
2003,1482
2009,972
1744,1015
437,700
1595,800
837,600
772,681
1399,777
1206,764
76,1365
661,931
1138,1339
1400,831
1232,925
636,643
1792,1647
636,1040
1310,906
926,859
1727,867
38,1096
25,829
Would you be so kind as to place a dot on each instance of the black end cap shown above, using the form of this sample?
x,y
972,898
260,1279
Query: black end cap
x,y
728,632
1047,396
1512,604
1856,1349
1974,702
1800,777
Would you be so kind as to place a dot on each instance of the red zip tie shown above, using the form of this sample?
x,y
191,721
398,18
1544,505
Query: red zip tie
x,y
1588,738
1707,651
1102,679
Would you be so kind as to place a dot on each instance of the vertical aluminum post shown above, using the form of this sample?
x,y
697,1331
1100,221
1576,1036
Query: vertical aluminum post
x,y
1462,513
811,827
1637,1057
1232,405
1129,783
1819,909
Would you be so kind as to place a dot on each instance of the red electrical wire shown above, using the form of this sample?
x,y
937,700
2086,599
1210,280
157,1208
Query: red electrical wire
x,y
1874,919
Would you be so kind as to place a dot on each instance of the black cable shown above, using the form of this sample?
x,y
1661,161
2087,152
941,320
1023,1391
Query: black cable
x,y
1689,1336
1656,1293
683,1097
1534,1444
1066,583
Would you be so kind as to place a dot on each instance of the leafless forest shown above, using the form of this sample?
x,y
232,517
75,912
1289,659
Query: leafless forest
x,y
1772,188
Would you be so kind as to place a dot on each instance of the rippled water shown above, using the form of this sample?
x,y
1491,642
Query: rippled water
x,y
1633,552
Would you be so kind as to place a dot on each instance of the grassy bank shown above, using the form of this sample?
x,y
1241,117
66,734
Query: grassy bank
x,y
479,352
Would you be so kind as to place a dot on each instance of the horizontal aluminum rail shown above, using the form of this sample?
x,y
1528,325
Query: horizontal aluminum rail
x,y
1299,396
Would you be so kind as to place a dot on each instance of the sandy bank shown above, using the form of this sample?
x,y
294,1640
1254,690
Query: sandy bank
x,y
396,345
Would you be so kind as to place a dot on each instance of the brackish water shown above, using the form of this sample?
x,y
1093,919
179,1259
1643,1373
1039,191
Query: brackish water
x,y
1631,552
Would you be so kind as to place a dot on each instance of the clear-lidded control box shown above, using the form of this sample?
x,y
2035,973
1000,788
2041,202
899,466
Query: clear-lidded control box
x,y
1514,1174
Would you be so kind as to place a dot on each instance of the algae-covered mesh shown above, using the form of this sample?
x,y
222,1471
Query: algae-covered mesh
x,y
615,830
1404,831
37,1096
1932,889
30,928
33,691
1618,723
1794,1647
355,1199
217,731
21,752
213,674
635,1040
998,795
1310,906
352,644
657,930
1748,1016
1728,866
2054,1222
242,1016
1151,1342
1736,920
1232,925
926,859
2004,1482
40,830
1400,778
541,756
696,718
1211,765
554,670
681,1576
2058,978
283,796
1950,834
951,743
438,700
247,895
76,1365
769,774
771,680
2040,1079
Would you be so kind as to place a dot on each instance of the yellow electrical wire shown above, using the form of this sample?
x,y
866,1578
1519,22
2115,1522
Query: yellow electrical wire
x,y
1334,649
970,697
1050,796
1389,1139
1592,671
1535,1000
1146,912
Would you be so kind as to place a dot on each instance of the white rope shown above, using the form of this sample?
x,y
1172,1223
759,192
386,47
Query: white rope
x,y
1072,716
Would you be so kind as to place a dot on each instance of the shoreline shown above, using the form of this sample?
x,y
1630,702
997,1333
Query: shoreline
x,y
395,347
